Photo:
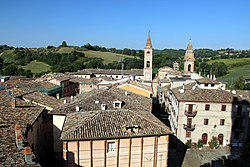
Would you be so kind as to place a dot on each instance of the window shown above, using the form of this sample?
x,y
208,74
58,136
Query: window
x,y
188,134
223,107
207,107
205,121
190,107
206,85
110,147
222,121
148,63
212,85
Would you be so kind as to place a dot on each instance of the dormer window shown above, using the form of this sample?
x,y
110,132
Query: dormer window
x,y
117,104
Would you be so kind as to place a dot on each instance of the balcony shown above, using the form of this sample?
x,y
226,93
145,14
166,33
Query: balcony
x,y
190,113
189,127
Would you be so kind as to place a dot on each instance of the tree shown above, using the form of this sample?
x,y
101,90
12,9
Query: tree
x,y
95,63
239,83
10,70
64,44
126,51
219,69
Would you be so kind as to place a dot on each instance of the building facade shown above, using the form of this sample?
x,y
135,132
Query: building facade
x,y
203,110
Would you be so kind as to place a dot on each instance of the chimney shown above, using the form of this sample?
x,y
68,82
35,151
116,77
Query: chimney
x,y
13,103
19,137
19,141
28,156
103,107
64,101
126,93
78,108
214,77
136,129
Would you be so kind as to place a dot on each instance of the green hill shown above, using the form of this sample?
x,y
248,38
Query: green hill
x,y
237,67
37,67
233,63
8,56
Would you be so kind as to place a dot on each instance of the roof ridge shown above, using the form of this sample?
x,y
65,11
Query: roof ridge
x,y
149,120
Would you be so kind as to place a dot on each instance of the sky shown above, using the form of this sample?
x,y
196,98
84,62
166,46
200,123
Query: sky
x,y
213,24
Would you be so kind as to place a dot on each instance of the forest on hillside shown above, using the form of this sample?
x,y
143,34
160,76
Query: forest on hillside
x,y
13,59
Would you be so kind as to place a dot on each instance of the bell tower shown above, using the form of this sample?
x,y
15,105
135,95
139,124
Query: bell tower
x,y
189,59
148,60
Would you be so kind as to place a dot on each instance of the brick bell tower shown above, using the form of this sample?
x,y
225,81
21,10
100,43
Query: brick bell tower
x,y
148,61
189,59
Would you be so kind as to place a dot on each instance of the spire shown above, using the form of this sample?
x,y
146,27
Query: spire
x,y
190,46
148,43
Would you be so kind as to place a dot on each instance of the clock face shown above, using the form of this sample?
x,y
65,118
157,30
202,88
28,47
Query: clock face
x,y
148,52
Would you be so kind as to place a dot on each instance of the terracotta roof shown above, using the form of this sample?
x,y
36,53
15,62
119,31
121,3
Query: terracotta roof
x,y
204,95
31,84
24,114
141,85
206,81
111,124
92,101
43,99
84,80
62,78
149,43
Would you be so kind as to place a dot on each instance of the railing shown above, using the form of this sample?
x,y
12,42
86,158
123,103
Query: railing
x,y
189,127
190,113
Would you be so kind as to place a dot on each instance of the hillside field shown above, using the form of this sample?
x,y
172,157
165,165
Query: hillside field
x,y
233,63
107,57
37,67
236,68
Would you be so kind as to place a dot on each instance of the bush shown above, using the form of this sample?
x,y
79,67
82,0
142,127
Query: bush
x,y
214,143
189,143
199,144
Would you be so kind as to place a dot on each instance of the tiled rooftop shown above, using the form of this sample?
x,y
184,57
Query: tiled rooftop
x,y
205,95
30,84
23,114
109,71
43,99
84,80
207,81
111,124
92,101
141,85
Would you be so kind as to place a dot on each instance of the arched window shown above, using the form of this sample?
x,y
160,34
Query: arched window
x,y
189,67
148,63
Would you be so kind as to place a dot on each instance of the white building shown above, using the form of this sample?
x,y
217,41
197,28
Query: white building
x,y
203,110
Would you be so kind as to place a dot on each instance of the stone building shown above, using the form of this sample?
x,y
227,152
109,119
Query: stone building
x,y
203,110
